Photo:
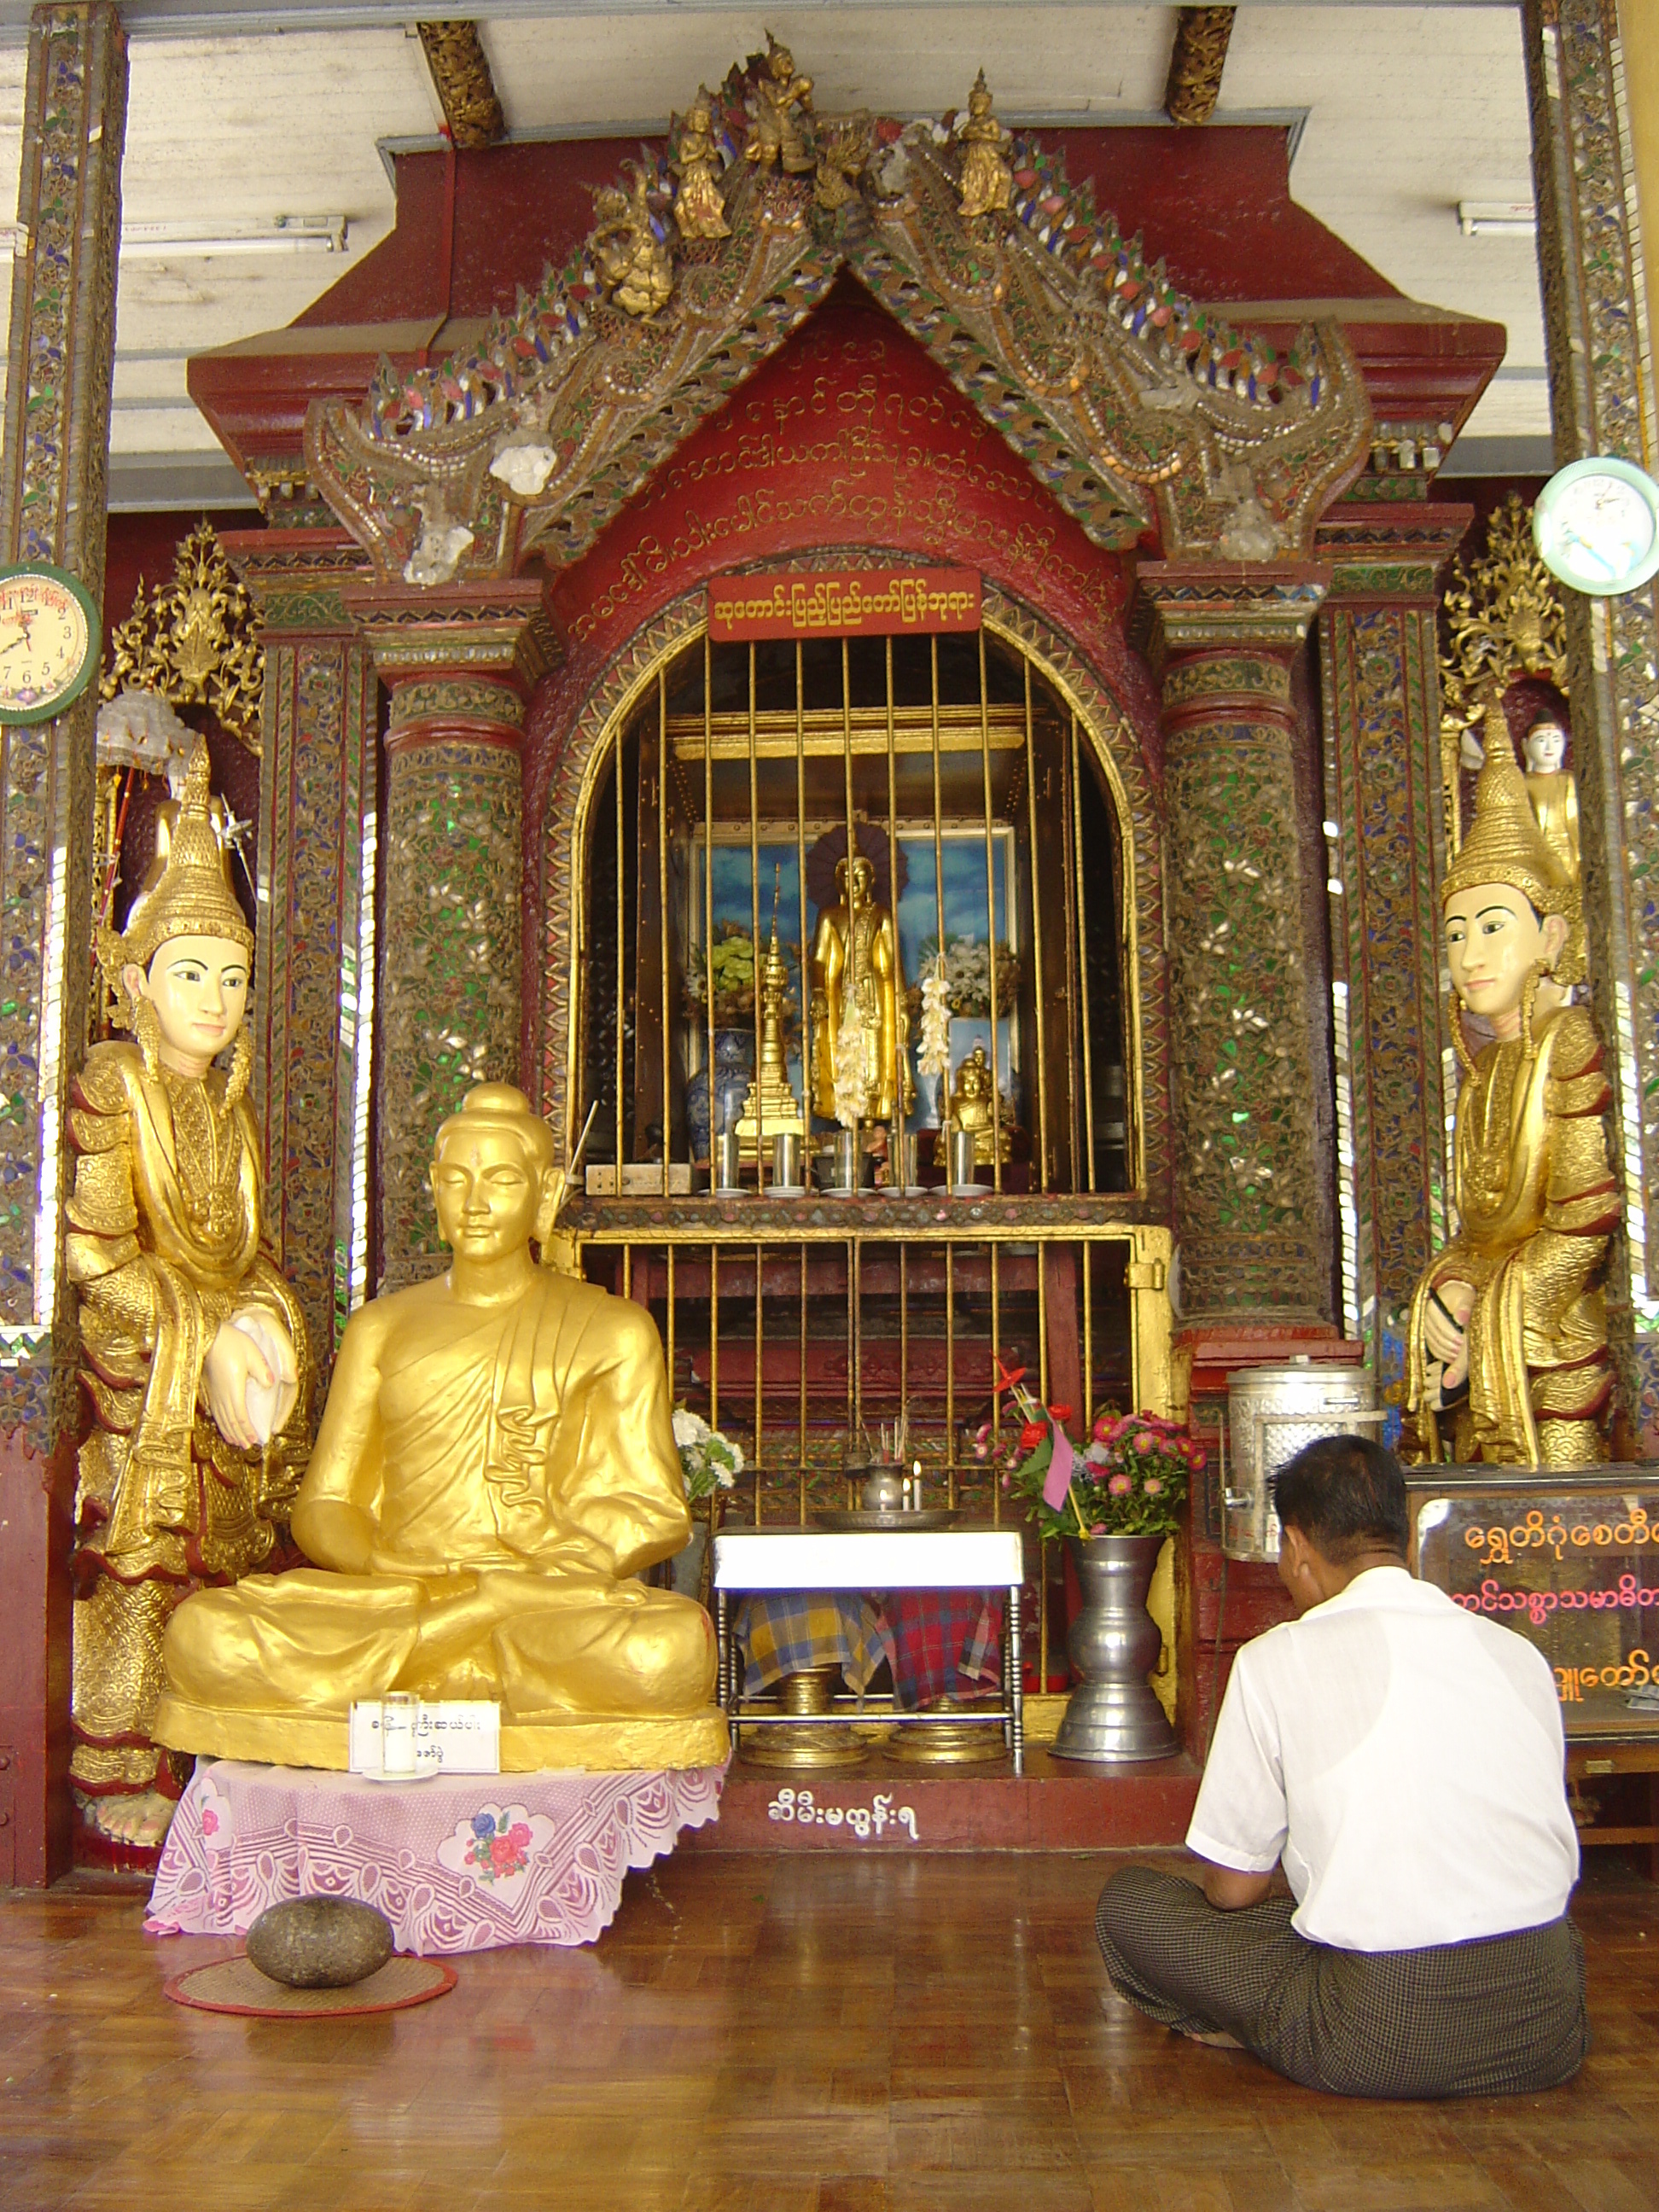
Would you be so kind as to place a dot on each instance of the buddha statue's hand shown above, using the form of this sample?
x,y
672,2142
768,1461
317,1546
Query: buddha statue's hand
x,y
1445,1333
234,1360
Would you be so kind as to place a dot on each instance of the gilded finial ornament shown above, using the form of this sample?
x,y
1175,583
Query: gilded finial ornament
x,y
987,182
191,642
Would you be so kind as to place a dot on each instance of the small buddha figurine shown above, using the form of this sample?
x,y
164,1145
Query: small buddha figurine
x,y
1554,799
781,116
1507,1354
699,209
636,265
196,1363
971,1108
861,1023
495,1467
987,182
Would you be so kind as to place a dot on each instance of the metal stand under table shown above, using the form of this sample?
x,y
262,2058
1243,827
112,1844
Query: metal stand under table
x,y
763,1560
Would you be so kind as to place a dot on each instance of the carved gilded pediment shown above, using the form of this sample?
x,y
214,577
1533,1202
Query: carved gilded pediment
x,y
1135,408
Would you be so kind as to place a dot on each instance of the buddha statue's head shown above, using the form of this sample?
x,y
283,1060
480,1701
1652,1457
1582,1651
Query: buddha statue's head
x,y
1544,746
180,969
862,879
494,1175
1507,902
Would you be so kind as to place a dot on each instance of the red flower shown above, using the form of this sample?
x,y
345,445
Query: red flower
x,y
1120,1484
1032,1434
1060,1413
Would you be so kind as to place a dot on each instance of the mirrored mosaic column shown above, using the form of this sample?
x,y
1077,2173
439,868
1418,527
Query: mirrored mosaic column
x,y
313,1016
1248,1203
460,667
1385,832
1599,335
53,489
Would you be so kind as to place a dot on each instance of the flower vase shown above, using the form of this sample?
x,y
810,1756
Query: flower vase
x,y
1113,1716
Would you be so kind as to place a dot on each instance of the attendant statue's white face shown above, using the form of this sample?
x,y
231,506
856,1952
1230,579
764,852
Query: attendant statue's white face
x,y
1493,942
199,988
1546,747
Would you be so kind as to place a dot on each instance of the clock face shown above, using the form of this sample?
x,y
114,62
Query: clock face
x,y
48,641
1596,525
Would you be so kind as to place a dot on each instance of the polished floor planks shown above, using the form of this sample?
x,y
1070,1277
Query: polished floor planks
x,y
792,2034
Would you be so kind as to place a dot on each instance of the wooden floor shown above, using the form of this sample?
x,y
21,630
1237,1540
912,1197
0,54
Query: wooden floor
x,y
770,2035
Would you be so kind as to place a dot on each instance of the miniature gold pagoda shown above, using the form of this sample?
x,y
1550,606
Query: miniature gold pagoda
x,y
771,1109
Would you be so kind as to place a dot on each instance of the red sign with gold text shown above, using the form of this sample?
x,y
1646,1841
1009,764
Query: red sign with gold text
x,y
842,602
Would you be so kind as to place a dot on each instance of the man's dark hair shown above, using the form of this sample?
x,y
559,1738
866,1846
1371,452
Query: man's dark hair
x,y
1346,1495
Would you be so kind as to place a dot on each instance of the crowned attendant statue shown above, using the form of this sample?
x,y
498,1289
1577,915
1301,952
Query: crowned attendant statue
x,y
1507,1356
495,1466
861,1023
195,1355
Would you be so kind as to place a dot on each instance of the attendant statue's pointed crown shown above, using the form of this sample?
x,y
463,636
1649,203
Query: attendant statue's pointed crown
x,y
187,892
1505,844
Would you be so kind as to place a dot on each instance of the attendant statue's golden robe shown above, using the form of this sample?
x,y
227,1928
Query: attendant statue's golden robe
x,y
1537,1203
518,1463
164,1238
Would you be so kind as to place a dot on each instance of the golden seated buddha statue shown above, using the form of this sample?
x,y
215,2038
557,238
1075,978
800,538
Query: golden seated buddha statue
x,y
496,1465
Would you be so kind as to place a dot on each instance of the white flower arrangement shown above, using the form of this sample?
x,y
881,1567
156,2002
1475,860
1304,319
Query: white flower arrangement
x,y
708,1460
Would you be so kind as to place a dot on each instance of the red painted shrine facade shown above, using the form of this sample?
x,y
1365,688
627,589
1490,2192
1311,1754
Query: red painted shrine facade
x,y
1185,706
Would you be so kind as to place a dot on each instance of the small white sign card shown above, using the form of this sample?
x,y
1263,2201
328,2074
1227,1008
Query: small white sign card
x,y
459,1736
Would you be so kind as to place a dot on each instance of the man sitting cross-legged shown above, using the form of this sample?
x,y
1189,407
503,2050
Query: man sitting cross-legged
x,y
1404,1758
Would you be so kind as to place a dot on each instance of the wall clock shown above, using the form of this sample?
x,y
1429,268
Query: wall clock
x,y
1596,525
50,638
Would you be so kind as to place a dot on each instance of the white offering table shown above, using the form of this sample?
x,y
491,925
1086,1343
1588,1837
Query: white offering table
x,y
751,1561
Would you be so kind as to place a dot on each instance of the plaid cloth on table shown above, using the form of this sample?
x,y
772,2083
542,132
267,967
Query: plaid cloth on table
x,y
943,1642
1499,2016
796,1631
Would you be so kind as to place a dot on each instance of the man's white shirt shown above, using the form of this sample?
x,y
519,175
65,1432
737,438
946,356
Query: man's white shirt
x,y
1405,1758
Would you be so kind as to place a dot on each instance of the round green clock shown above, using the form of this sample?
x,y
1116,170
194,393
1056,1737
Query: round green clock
x,y
50,636
1596,525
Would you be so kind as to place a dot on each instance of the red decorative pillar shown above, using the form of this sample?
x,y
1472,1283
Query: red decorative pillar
x,y
461,664
53,467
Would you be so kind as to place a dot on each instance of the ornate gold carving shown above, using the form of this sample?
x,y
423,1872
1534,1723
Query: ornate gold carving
x,y
474,697
635,263
1196,62
1504,619
1135,406
987,182
780,115
192,641
466,90
699,204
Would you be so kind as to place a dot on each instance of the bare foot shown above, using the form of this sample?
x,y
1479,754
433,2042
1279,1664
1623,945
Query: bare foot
x,y
140,1820
1217,2038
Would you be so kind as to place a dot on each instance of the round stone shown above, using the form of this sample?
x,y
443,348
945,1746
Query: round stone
x,y
319,1943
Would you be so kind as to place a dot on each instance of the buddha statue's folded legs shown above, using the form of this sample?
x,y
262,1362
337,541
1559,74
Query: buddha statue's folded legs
x,y
304,1646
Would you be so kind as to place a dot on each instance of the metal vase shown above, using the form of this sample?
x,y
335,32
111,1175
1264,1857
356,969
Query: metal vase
x,y
1114,1644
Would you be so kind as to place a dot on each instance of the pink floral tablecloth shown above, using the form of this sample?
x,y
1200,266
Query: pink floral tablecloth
x,y
459,1863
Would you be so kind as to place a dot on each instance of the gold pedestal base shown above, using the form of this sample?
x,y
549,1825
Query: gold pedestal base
x,y
623,1743
806,1750
947,1743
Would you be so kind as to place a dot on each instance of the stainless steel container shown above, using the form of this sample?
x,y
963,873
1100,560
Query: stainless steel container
x,y
785,1159
1271,1411
962,1158
728,1171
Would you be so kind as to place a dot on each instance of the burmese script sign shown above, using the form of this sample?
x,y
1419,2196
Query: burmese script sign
x,y
842,602
1571,1565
